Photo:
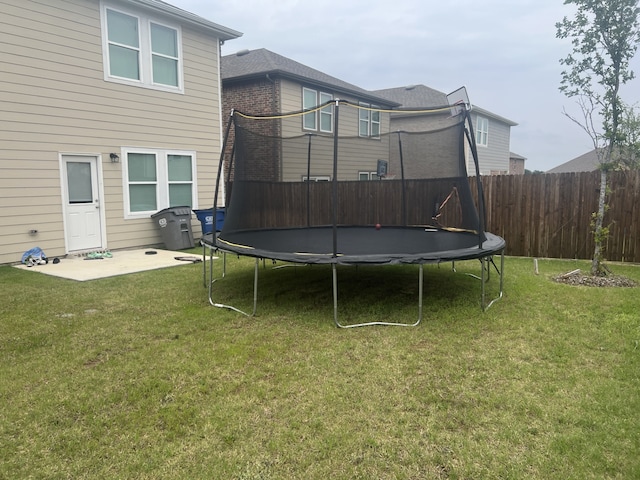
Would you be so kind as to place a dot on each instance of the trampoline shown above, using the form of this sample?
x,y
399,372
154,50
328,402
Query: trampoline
x,y
394,197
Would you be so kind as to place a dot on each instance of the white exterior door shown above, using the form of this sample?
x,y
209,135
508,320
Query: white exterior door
x,y
82,203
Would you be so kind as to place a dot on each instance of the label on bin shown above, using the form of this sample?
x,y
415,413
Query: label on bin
x,y
162,222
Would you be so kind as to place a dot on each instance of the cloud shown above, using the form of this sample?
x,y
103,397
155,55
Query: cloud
x,y
504,51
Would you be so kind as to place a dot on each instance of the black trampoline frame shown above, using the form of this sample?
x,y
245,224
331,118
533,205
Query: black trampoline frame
x,y
483,246
493,246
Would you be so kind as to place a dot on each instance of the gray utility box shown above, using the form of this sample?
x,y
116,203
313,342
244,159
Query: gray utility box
x,y
174,225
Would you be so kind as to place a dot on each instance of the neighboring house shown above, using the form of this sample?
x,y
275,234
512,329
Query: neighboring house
x,y
587,162
262,82
492,131
516,164
110,112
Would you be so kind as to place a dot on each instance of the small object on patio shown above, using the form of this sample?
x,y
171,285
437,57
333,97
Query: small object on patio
x,y
189,259
34,256
377,226
93,256
56,261
107,254
150,252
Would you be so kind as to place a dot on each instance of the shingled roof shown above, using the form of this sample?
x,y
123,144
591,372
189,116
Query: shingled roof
x,y
250,64
414,96
587,162
421,96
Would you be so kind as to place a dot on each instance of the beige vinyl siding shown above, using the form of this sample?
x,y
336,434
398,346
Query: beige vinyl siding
x,y
53,100
356,155
495,156
291,101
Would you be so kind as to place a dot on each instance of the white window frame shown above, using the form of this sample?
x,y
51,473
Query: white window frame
x,y
364,175
482,131
365,117
316,178
145,51
162,180
320,98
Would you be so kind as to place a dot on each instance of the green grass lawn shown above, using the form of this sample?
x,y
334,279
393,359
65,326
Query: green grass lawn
x,y
139,377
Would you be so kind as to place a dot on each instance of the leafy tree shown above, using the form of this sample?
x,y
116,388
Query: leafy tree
x,y
605,36
629,150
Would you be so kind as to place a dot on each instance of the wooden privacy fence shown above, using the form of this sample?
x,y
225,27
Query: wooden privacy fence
x,y
549,215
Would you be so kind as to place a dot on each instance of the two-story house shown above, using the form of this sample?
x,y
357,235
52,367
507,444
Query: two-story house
x,y
110,111
492,132
263,82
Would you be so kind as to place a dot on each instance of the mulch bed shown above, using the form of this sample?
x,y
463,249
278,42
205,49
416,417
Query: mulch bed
x,y
577,277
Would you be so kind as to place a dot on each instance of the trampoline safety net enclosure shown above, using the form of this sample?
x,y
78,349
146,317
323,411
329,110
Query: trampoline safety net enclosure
x,y
353,191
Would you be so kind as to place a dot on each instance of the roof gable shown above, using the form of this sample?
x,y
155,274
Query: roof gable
x,y
587,162
420,96
414,96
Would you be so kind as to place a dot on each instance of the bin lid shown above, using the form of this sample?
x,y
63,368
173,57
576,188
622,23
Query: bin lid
x,y
184,210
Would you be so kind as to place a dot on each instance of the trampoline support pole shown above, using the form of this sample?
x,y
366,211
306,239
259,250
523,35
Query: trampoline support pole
x,y
368,324
224,268
486,263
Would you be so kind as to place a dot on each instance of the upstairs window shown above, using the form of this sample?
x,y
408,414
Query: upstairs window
x,y
139,51
482,131
369,121
320,119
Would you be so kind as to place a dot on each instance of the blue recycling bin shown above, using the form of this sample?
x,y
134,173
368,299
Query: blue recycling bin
x,y
206,218
220,212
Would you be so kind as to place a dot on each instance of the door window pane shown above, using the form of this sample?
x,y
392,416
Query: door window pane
x,y
79,182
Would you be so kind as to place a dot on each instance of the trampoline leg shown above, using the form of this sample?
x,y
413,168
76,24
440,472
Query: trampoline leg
x,y
204,265
420,288
335,296
224,264
367,324
212,280
486,263
255,288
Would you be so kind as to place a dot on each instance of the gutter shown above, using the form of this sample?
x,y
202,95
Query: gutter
x,y
222,32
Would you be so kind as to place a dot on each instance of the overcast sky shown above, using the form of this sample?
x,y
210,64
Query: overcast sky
x,y
504,51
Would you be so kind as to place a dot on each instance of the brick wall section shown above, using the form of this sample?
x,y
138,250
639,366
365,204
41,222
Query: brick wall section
x,y
255,97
